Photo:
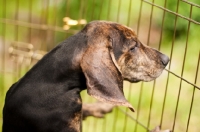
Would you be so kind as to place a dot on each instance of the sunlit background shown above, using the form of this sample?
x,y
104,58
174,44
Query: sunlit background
x,y
30,28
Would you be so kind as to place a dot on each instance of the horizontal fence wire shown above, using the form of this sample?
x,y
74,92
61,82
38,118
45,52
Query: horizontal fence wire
x,y
36,26
191,3
174,13
183,79
182,71
192,101
132,118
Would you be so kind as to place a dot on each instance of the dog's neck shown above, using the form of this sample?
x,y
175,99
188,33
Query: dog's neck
x,y
55,79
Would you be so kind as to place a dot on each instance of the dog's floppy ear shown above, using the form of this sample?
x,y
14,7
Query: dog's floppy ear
x,y
104,81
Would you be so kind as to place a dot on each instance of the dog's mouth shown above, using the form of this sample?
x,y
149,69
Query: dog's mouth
x,y
149,78
134,81
146,77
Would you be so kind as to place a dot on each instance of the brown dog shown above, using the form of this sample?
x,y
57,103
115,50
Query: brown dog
x,y
98,58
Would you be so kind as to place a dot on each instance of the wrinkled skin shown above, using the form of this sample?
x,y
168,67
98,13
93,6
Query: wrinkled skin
x,y
141,63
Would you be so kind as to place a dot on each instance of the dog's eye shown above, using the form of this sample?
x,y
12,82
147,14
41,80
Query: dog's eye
x,y
133,48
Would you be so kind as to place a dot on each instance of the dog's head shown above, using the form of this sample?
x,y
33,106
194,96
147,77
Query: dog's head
x,y
115,54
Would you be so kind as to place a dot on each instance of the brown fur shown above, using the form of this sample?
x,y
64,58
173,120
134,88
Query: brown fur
x,y
98,58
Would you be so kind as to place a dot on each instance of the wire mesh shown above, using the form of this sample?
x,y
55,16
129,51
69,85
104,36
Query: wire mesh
x,y
170,101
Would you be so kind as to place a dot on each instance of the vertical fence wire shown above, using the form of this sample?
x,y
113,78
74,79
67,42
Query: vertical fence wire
x,y
129,13
29,20
172,49
68,3
126,111
84,12
193,92
54,24
150,23
105,120
139,17
68,8
162,25
101,7
16,18
118,11
160,41
130,85
29,32
109,9
139,105
159,46
45,21
141,87
148,42
183,66
81,6
93,9
116,112
16,28
89,122
3,47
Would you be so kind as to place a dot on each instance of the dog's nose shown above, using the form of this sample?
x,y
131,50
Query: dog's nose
x,y
164,59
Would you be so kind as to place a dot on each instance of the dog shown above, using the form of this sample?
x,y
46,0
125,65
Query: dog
x,y
98,58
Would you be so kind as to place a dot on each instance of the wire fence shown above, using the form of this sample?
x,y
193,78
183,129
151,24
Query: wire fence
x,y
29,29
